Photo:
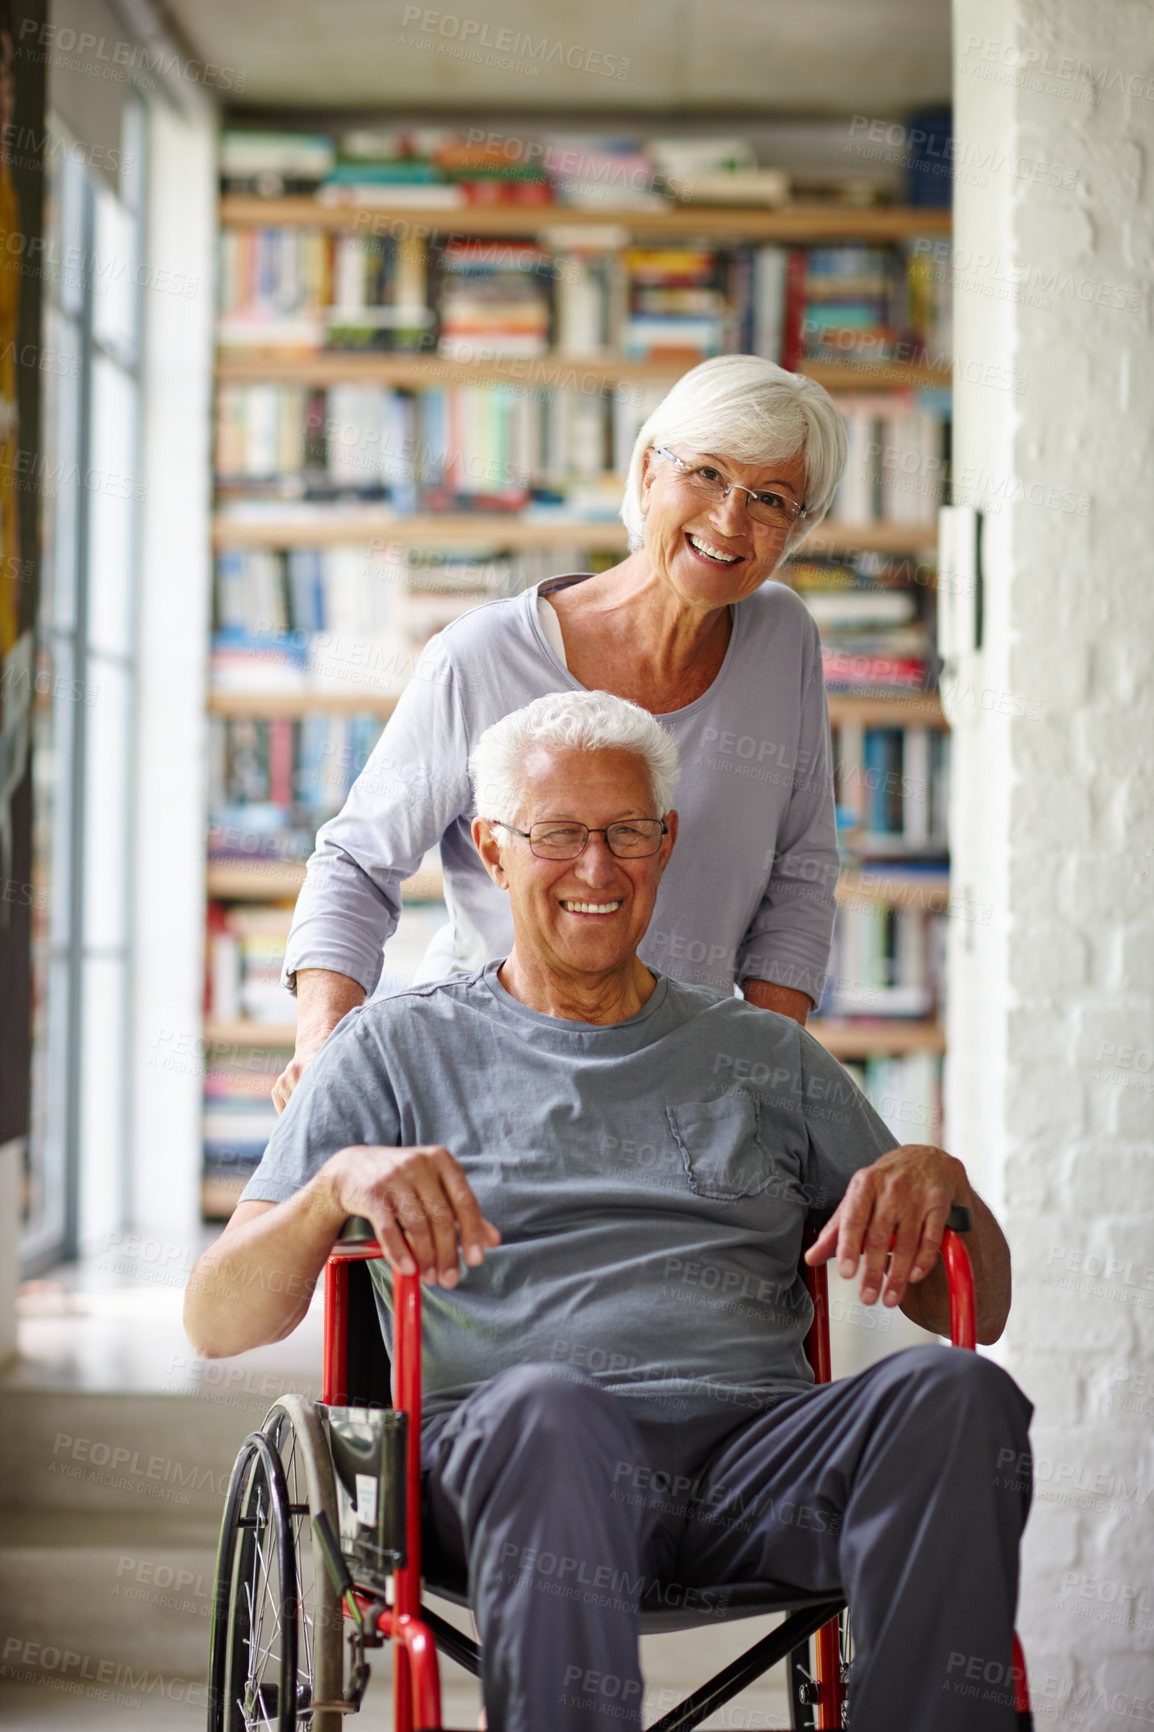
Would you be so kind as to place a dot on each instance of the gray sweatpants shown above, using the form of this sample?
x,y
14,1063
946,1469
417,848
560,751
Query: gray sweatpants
x,y
905,1489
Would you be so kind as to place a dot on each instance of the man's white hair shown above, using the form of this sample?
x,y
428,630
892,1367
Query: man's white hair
x,y
567,721
748,409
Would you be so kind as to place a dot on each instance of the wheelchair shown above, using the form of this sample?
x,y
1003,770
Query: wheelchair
x,y
320,1544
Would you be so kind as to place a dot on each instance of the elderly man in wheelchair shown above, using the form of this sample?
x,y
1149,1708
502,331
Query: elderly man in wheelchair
x,y
597,1182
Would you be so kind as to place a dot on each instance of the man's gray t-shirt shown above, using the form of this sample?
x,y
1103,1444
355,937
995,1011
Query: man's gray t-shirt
x,y
651,1180
749,890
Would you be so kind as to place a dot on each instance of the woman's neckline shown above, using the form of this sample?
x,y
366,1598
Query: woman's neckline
x,y
550,585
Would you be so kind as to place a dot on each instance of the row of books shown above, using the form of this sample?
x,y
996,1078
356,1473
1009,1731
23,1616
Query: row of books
x,y
273,780
885,962
263,594
877,625
246,947
488,447
495,447
893,795
594,295
906,1092
449,168
897,461
352,621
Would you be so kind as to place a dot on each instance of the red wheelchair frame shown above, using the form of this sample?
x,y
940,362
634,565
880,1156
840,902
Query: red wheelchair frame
x,y
416,1631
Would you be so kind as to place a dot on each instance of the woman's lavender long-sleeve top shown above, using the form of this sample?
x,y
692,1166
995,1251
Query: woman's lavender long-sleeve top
x,y
749,891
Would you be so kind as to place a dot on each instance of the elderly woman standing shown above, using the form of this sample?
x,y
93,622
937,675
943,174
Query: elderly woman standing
x,y
729,473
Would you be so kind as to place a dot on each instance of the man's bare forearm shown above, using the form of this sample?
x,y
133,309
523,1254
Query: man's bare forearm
x,y
254,1285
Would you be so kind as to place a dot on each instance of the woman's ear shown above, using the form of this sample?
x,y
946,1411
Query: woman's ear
x,y
648,471
485,842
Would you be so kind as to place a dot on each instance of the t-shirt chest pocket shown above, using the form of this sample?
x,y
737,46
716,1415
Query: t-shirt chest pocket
x,y
722,1148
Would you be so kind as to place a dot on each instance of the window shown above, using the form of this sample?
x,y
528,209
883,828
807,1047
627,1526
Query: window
x,y
85,696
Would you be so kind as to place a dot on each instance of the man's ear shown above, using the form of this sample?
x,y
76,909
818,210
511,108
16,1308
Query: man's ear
x,y
485,842
669,840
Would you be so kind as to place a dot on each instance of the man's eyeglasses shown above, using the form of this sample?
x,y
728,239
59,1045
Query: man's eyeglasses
x,y
630,839
776,510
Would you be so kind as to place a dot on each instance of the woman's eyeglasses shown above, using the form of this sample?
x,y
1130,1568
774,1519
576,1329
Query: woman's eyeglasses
x,y
766,505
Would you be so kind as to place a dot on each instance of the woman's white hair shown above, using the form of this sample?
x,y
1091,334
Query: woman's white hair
x,y
751,410
567,721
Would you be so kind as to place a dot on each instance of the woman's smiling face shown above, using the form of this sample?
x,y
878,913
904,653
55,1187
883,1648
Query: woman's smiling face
x,y
713,554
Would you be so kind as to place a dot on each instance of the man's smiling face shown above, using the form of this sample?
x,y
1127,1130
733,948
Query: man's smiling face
x,y
588,915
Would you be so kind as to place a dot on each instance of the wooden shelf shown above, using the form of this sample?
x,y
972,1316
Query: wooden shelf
x,y
334,529
549,372
410,372
895,888
274,880
254,880
900,710
798,222
875,375
895,538
514,533
295,705
869,1038
219,1197
244,1032
886,712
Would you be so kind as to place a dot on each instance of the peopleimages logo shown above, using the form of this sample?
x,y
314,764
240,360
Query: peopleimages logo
x,y
468,37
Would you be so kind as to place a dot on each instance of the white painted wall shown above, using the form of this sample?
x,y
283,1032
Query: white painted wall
x,y
174,626
1052,827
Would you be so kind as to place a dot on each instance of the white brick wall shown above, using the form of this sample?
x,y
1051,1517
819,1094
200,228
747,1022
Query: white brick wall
x,y
1050,1084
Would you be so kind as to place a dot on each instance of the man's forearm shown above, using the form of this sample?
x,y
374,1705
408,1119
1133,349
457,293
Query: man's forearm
x,y
786,1000
254,1285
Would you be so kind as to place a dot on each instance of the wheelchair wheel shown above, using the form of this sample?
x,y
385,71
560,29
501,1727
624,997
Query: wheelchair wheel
x,y
801,1670
277,1627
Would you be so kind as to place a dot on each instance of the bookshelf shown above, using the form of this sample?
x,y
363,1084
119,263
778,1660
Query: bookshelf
x,y
283,524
